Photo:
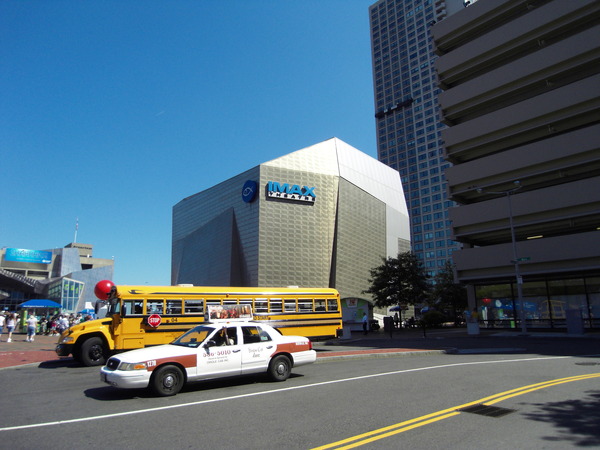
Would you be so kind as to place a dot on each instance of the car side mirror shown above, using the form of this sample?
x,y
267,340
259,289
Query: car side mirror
x,y
209,343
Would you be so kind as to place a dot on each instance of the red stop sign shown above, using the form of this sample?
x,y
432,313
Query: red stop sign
x,y
154,320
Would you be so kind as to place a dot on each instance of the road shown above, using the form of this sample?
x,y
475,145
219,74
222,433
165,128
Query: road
x,y
550,401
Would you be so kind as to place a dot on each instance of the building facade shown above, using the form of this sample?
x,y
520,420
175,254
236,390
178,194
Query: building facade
x,y
322,216
65,275
408,120
521,100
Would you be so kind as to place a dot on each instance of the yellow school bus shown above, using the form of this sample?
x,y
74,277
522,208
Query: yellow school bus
x,y
141,316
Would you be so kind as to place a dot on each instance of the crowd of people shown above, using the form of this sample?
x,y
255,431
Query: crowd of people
x,y
50,325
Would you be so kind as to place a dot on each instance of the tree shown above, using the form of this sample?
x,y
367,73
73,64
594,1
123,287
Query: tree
x,y
448,295
398,280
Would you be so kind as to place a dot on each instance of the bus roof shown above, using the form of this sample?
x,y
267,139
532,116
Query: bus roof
x,y
222,291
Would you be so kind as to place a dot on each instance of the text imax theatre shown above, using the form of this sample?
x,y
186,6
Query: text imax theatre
x,y
322,216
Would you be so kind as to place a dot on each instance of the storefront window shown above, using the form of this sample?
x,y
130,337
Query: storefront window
x,y
593,294
495,305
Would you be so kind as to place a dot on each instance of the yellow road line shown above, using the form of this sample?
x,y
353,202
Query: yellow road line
x,y
381,433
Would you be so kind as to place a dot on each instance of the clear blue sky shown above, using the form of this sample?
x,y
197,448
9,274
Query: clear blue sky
x,y
112,111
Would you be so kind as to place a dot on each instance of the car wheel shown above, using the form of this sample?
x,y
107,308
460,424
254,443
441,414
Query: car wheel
x,y
280,368
92,352
167,380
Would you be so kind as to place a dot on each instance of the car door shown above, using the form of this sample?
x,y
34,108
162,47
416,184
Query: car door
x,y
218,356
257,349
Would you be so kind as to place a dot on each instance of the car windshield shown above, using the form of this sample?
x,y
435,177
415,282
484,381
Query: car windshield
x,y
194,337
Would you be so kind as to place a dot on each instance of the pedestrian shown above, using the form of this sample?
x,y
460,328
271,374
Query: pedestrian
x,y
475,316
365,323
2,318
396,321
63,324
11,322
31,327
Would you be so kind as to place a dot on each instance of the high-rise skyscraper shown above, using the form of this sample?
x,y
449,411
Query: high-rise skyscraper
x,y
408,118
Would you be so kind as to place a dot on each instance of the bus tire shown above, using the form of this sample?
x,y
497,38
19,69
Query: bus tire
x,y
167,380
92,352
280,368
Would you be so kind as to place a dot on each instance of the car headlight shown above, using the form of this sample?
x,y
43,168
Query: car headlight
x,y
132,366
67,340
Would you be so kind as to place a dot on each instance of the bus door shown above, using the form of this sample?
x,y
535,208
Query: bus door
x,y
220,354
130,333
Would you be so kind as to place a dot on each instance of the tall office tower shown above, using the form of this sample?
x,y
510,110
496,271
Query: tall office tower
x,y
408,117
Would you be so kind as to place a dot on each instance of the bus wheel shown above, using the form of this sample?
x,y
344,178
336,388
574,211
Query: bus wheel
x,y
92,352
167,380
280,368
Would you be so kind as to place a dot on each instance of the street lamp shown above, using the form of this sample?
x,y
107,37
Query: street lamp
x,y
516,258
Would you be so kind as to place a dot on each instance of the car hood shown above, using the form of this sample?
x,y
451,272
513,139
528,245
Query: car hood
x,y
157,352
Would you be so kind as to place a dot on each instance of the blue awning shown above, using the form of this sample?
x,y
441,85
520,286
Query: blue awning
x,y
40,303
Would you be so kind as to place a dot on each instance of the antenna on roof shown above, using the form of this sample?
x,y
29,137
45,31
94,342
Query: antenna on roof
x,y
76,228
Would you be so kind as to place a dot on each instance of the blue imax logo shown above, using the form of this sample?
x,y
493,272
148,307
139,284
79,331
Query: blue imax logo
x,y
293,192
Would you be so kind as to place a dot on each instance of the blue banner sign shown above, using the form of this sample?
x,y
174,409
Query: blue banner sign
x,y
28,256
291,192
249,191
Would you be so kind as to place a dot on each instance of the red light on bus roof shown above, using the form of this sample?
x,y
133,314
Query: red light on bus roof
x,y
103,288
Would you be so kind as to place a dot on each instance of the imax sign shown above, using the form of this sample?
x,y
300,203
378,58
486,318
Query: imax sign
x,y
291,192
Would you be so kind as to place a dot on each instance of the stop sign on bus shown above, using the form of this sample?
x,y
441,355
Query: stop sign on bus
x,y
154,320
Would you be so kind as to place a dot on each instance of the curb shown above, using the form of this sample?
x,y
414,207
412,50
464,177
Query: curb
x,y
385,353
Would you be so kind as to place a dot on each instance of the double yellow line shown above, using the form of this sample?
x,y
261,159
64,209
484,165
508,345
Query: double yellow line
x,y
417,422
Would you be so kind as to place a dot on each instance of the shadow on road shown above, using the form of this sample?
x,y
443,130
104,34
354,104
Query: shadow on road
x,y
108,393
577,421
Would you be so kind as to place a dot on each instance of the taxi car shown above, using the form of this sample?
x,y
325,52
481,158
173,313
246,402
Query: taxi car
x,y
209,351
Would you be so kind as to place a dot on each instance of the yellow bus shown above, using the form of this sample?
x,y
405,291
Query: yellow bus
x,y
141,316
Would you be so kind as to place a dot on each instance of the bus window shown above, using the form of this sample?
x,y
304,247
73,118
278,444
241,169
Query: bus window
x,y
276,305
305,305
289,305
245,306
132,307
154,306
319,304
260,306
174,306
332,304
194,306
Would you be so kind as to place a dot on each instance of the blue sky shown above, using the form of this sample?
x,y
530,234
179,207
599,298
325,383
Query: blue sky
x,y
112,111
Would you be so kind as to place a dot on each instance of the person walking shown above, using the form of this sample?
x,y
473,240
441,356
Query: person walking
x,y
2,319
11,322
31,327
365,323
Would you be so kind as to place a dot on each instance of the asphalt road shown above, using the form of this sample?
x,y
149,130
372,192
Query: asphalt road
x,y
551,400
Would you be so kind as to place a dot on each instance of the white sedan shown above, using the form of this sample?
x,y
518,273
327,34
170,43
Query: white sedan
x,y
212,350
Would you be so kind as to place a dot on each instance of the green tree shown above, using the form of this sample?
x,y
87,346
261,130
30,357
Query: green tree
x,y
448,295
398,280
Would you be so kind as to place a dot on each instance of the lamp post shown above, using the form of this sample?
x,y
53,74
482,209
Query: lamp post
x,y
515,260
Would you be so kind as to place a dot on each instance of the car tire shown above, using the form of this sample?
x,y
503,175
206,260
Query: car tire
x,y
280,368
167,380
92,352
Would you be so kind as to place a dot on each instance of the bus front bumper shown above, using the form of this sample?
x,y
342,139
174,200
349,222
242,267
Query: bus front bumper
x,y
64,349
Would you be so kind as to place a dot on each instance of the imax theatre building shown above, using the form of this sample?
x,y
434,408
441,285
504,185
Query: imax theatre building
x,y
322,216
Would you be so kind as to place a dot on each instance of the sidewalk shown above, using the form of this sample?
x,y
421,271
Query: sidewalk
x,y
19,351
403,342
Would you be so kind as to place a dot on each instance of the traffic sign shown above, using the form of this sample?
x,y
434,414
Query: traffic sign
x,y
154,320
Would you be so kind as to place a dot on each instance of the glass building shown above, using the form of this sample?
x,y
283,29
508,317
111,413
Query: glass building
x,y
322,216
408,118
